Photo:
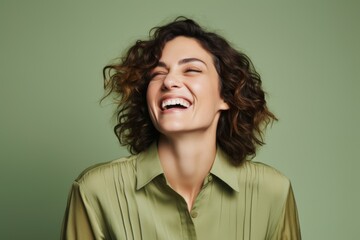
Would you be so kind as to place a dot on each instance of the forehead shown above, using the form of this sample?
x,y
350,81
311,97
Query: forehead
x,y
184,47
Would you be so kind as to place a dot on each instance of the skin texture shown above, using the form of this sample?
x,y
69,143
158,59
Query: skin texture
x,y
187,142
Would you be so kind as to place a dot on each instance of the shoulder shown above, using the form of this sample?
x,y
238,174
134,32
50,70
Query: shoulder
x,y
271,182
103,176
262,172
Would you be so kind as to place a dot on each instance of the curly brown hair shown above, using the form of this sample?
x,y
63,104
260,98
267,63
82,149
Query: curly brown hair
x,y
240,129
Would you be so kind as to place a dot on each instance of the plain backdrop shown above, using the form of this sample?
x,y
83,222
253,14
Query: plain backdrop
x,y
53,127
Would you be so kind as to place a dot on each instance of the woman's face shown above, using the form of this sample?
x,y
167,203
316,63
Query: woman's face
x,y
184,94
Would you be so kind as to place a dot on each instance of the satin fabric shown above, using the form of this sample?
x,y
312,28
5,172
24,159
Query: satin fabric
x,y
130,199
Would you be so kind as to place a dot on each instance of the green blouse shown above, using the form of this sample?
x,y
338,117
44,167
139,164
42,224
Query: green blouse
x,y
129,199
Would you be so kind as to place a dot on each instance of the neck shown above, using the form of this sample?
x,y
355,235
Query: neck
x,y
186,161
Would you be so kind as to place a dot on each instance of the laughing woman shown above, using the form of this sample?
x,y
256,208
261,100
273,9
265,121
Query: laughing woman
x,y
192,111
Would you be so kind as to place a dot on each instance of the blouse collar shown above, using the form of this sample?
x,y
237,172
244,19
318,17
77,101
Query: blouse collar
x,y
148,167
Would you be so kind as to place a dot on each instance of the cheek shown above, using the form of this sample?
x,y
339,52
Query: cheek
x,y
150,94
206,90
151,99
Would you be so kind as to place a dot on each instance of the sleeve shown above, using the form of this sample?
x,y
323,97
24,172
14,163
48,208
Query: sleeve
x,y
78,221
289,227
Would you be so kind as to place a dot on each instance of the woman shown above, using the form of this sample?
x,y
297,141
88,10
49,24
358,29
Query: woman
x,y
192,111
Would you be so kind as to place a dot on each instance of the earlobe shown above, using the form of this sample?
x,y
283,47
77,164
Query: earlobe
x,y
224,105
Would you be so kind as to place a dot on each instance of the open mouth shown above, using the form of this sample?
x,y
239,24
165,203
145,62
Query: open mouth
x,y
174,103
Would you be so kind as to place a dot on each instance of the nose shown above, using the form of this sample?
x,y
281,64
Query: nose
x,y
171,81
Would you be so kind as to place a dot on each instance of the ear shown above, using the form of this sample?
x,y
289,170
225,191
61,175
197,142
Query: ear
x,y
223,105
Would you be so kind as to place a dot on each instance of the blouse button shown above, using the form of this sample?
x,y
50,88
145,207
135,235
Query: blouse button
x,y
193,214
210,178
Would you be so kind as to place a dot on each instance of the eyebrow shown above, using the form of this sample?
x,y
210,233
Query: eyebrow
x,y
183,61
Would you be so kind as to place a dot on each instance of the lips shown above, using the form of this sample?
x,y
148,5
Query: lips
x,y
179,103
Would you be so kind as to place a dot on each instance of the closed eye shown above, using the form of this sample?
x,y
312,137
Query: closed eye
x,y
157,74
194,70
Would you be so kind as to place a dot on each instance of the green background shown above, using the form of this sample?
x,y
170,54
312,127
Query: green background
x,y
52,126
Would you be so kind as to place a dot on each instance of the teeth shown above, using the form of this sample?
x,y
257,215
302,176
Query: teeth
x,y
175,101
